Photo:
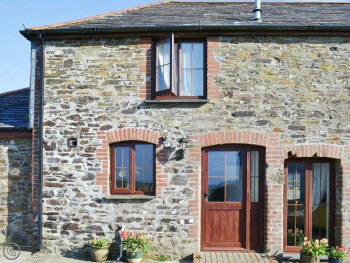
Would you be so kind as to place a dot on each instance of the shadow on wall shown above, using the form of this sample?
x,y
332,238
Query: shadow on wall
x,y
16,215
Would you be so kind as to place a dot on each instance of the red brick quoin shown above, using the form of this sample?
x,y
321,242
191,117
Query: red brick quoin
x,y
127,134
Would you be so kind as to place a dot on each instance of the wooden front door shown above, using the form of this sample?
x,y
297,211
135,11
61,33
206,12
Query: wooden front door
x,y
232,198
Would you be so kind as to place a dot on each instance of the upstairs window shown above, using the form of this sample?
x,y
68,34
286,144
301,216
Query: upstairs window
x,y
179,69
132,168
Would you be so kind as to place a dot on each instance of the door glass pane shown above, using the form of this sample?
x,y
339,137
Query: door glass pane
x,y
296,204
216,163
320,200
144,175
122,167
225,176
254,176
216,189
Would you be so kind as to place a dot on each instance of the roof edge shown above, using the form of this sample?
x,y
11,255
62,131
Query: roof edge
x,y
30,34
97,16
12,92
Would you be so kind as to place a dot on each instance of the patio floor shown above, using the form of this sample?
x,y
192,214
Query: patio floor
x,y
231,257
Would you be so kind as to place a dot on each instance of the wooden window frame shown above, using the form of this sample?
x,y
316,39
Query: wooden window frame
x,y
170,95
308,189
132,187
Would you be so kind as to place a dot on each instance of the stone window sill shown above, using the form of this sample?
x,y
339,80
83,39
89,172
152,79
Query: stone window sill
x,y
129,197
177,101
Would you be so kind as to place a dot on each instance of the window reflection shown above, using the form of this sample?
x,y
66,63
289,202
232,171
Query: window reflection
x,y
225,176
122,167
144,167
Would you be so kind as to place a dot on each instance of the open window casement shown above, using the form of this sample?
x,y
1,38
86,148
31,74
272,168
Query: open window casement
x,y
179,68
164,67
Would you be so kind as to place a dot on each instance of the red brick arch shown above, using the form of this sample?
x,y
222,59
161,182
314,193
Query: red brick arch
x,y
237,137
314,150
132,134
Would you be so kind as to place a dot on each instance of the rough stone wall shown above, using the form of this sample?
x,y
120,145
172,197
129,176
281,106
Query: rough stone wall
x,y
16,216
293,91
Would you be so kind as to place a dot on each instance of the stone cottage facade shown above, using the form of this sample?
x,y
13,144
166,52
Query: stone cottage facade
x,y
16,213
195,124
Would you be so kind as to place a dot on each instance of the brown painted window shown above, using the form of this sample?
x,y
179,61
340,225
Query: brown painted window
x,y
179,69
132,168
309,201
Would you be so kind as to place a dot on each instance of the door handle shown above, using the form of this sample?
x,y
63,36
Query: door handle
x,y
206,195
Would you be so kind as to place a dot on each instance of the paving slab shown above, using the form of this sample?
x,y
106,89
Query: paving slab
x,y
232,257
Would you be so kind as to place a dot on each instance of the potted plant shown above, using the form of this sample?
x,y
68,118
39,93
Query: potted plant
x,y
99,249
135,245
312,250
337,254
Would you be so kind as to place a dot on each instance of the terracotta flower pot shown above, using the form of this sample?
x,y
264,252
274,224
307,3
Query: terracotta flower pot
x,y
309,259
99,254
134,257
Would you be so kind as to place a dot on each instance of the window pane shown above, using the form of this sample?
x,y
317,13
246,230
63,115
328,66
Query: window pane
x,y
320,200
144,174
166,70
186,55
296,203
198,54
295,225
296,183
198,85
163,65
176,69
160,78
254,176
186,83
167,44
192,68
122,167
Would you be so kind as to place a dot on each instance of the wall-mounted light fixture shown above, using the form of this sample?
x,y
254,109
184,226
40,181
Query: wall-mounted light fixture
x,y
163,138
182,144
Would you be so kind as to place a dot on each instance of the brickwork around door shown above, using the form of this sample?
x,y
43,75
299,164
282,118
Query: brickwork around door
x,y
274,181
286,94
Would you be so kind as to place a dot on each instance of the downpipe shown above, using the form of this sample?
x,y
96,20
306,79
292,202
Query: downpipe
x,y
40,144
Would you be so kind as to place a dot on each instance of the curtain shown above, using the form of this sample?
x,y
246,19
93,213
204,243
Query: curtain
x,y
319,183
186,65
163,65
320,172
